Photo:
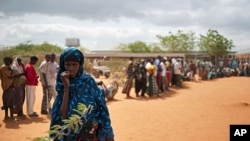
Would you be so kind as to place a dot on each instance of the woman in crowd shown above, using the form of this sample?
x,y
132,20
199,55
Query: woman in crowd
x,y
152,85
130,76
7,83
19,84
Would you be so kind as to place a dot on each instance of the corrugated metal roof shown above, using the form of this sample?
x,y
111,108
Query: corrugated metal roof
x,y
243,51
138,55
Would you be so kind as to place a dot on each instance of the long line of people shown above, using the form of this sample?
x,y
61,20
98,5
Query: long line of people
x,y
155,75
151,76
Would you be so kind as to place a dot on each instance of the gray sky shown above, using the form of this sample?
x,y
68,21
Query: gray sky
x,y
102,24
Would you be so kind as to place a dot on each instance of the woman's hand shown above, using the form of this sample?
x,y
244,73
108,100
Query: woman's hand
x,y
65,103
65,78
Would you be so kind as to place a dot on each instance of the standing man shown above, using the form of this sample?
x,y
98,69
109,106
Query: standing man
x,y
158,62
140,78
31,83
143,71
207,67
164,86
137,78
177,73
192,70
47,82
53,73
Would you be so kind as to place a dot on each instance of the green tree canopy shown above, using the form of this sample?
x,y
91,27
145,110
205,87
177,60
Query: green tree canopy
x,y
137,46
214,43
26,49
179,42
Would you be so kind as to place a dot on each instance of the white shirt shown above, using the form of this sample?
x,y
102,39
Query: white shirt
x,y
164,70
53,70
45,68
177,68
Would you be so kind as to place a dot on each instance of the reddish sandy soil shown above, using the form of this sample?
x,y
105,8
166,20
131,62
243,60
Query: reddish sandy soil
x,y
201,111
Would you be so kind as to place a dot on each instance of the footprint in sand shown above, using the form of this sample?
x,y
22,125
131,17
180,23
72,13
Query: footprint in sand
x,y
244,104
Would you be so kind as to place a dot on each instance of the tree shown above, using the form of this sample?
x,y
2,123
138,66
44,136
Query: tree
x,y
26,49
137,46
123,47
179,42
156,48
215,44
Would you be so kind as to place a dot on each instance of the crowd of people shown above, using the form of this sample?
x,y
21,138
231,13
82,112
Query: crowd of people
x,y
207,70
154,76
69,85
19,82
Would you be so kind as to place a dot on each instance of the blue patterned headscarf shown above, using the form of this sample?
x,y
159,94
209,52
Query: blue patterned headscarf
x,y
76,55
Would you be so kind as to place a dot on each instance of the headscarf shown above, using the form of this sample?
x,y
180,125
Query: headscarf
x,y
76,55
16,66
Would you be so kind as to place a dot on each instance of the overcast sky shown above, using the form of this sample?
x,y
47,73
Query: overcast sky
x,y
102,24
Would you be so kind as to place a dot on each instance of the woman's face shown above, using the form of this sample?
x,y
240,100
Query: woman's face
x,y
72,67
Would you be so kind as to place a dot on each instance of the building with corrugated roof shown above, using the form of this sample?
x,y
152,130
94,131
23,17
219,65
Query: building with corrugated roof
x,y
243,54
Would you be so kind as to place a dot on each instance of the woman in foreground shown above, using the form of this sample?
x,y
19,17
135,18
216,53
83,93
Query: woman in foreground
x,y
73,86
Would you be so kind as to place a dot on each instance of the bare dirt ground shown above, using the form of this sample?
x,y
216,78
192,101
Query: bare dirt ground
x,y
201,111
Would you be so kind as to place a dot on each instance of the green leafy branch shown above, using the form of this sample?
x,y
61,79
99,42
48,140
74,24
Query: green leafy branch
x,y
73,123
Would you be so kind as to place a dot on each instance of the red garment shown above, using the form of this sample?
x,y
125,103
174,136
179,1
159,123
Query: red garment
x,y
192,67
168,76
31,75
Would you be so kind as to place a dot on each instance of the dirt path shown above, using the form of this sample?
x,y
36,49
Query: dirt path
x,y
200,111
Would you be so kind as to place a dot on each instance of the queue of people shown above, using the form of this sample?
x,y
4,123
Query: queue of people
x,y
206,70
19,82
69,85
155,75
150,76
